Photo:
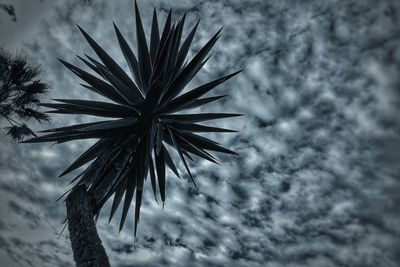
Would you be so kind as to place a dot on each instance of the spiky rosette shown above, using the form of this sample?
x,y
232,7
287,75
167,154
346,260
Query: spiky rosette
x,y
133,146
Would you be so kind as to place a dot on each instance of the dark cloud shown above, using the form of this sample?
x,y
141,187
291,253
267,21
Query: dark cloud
x,y
317,180
10,11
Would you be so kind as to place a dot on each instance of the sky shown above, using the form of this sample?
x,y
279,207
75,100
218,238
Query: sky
x,y
317,179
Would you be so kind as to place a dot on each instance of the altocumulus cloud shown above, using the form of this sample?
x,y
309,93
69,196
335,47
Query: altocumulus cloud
x,y
316,183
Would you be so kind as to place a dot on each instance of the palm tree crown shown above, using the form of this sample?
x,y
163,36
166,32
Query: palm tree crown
x,y
133,145
20,93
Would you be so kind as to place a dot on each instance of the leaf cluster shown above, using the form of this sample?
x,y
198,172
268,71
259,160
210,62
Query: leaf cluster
x,y
20,93
132,145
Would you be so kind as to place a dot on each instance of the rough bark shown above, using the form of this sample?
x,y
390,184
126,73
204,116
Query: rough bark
x,y
86,244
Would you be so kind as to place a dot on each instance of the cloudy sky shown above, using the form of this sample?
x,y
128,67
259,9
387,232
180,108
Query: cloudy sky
x,y
317,179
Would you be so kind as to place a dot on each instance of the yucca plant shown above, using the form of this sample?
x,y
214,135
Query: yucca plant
x,y
132,146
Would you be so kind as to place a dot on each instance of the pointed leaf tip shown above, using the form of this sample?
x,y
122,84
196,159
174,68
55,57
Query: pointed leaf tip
x,y
82,30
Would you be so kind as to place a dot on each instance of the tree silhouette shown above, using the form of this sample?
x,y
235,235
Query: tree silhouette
x,y
20,93
132,146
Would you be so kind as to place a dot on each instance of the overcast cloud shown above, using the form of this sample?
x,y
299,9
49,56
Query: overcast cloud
x,y
317,179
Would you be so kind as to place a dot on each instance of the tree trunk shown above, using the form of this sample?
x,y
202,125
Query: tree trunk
x,y
86,244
